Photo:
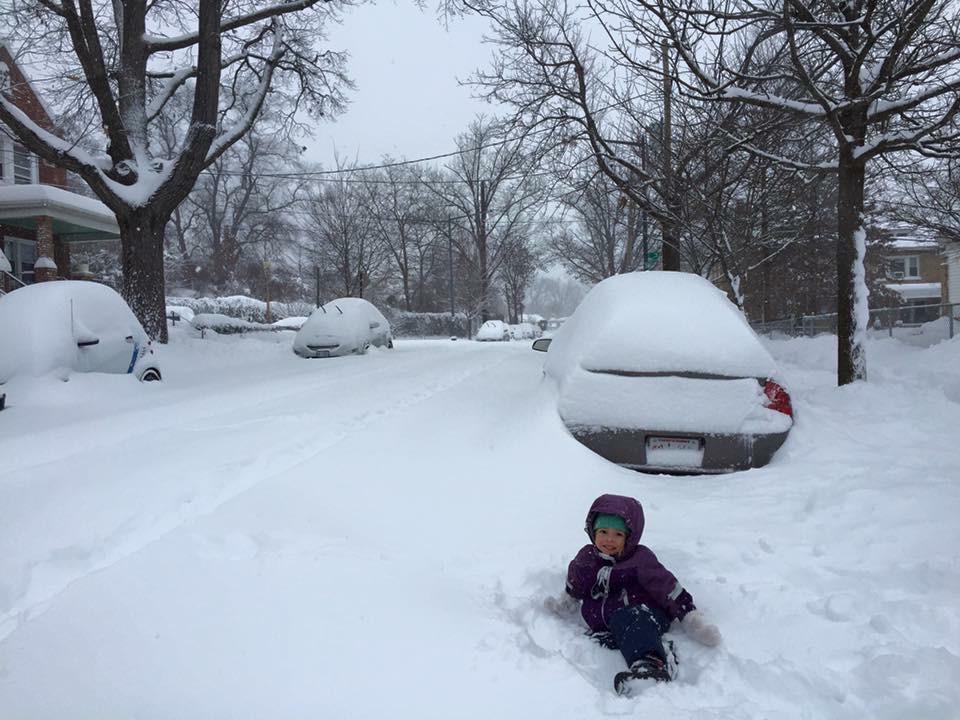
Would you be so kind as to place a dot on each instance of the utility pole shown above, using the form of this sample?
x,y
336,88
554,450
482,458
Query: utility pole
x,y
450,263
316,269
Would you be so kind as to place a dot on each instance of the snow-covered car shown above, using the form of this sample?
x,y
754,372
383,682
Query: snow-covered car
x,y
493,330
347,326
659,371
524,331
73,326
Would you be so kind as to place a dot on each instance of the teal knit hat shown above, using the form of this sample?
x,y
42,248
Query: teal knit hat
x,y
611,522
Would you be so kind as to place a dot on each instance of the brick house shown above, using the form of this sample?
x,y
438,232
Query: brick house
x,y
916,271
40,218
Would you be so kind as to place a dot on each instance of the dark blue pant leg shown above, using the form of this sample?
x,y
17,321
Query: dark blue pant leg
x,y
637,629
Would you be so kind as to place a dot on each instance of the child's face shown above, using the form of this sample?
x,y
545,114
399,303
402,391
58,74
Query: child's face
x,y
609,541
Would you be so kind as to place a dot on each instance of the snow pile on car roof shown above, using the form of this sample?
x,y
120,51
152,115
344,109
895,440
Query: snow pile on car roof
x,y
345,320
658,322
41,324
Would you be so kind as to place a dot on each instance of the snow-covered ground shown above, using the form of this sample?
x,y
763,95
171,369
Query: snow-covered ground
x,y
262,536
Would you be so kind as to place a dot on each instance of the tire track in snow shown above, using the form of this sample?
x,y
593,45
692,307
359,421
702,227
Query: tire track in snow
x,y
42,579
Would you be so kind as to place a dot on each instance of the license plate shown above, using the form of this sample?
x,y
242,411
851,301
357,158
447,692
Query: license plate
x,y
673,443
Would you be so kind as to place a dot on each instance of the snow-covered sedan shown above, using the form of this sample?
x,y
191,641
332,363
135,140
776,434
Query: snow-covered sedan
x,y
348,326
72,326
493,330
659,371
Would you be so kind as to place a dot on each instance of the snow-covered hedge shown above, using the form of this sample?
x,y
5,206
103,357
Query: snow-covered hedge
x,y
251,315
230,325
411,324
242,307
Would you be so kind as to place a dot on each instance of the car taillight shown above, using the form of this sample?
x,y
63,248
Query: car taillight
x,y
777,398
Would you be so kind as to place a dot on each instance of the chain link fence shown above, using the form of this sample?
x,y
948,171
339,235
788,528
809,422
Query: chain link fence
x,y
932,322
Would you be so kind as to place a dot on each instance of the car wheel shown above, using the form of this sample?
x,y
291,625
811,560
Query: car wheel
x,y
151,375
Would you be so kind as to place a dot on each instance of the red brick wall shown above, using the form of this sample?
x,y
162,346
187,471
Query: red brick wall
x,y
25,99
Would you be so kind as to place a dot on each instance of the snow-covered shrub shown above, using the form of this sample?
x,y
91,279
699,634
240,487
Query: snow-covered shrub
x,y
227,325
242,307
413,324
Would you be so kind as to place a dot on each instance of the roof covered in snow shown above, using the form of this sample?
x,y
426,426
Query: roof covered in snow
x,y
917,291
913,243
76,213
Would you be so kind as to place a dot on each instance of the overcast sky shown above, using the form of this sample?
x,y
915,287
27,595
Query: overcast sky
x,y
406,66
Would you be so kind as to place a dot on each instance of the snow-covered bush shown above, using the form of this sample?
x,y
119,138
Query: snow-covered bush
x,y
227,325
412,324
242,307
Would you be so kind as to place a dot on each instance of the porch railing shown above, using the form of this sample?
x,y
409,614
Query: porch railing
x,y
7,277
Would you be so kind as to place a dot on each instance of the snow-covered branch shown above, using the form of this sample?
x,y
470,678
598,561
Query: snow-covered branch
x,y
157,44
235,132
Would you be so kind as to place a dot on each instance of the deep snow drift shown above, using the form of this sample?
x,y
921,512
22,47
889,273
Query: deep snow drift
x,y
261,536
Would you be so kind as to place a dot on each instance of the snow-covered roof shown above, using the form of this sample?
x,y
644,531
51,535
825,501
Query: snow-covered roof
x,y
36,200
913,243
917,291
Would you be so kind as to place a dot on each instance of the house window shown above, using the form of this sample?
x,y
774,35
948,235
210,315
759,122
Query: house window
x,y
905,268
22,254
22,165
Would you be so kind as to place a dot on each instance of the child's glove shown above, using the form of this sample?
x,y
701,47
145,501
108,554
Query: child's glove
x,y
562,605
696,626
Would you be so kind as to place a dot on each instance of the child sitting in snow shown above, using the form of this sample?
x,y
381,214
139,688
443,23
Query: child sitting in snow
x,y
628,598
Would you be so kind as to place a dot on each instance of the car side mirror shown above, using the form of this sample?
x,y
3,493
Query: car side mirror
x,y
374,325
542,344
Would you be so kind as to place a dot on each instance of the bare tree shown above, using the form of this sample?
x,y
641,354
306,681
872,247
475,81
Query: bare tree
x,y
491,190
867,78
606,232
401,210
930,198
554,296
339,237
120,63
570,94
520,264
241,205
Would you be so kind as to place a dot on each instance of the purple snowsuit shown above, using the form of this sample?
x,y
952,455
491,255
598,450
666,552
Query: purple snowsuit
x,y
635,578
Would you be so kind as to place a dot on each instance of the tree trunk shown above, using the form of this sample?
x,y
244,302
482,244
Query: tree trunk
x,y
141,240
669,253
852,313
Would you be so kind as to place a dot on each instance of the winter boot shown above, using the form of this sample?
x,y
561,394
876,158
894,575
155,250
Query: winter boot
x,y
650,668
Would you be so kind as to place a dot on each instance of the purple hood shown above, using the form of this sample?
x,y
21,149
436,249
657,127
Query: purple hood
x,y
604,584
626,507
